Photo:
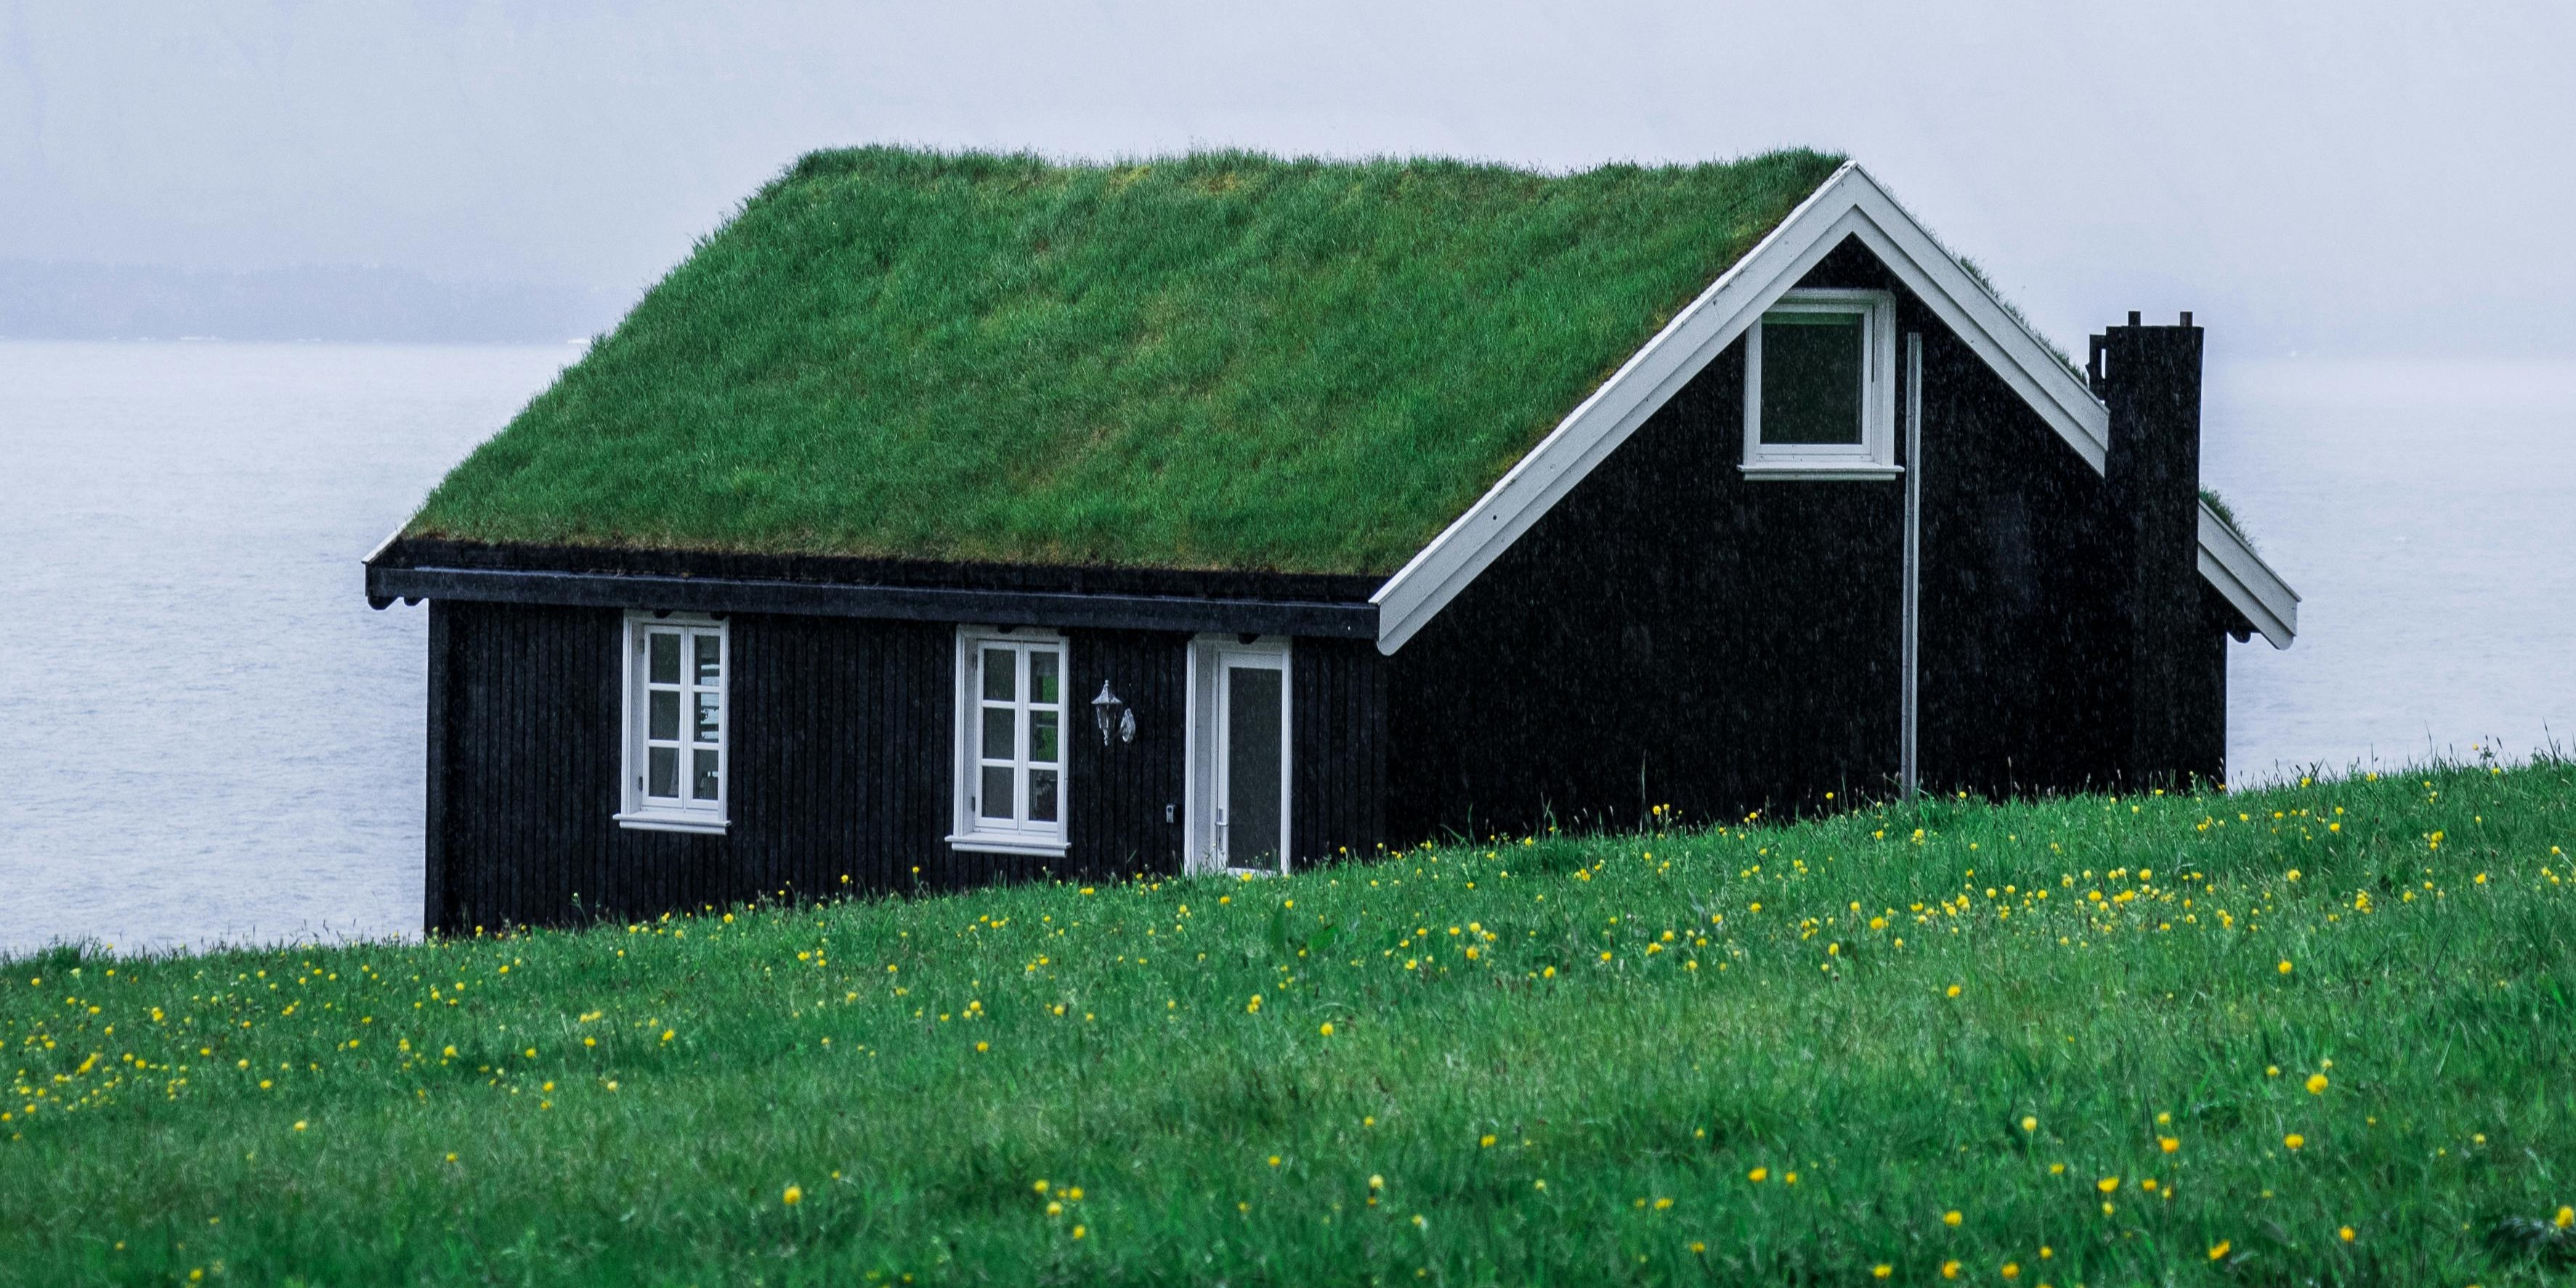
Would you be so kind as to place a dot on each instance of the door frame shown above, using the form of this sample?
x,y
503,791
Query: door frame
x,y
1208,659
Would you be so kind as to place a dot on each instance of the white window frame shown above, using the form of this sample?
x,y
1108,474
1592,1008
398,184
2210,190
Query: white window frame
x,y
1017,835
1201,775
682,813
1874,457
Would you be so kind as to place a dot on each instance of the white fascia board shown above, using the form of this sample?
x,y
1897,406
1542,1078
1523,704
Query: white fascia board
x,y
2249,584
1848,204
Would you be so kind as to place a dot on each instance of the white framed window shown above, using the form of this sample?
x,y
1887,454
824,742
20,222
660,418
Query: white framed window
x,y
1238,759
1011,727
676,721
1820,387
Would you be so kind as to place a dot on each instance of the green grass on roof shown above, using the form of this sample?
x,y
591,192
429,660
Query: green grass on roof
x,y
1219,360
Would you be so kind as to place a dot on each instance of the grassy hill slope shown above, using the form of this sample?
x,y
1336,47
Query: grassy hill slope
x,y
2319,1033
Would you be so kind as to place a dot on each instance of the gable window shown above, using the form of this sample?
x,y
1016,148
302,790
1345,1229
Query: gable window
x,y
1010,742
675,723
1820,387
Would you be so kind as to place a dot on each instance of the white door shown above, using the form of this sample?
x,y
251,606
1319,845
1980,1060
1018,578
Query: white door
x,y
1239,757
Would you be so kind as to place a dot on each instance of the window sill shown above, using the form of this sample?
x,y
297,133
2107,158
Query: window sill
x,y
661,822
1857,471
989,843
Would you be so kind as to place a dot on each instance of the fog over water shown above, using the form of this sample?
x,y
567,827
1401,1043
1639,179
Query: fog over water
x,y
211,737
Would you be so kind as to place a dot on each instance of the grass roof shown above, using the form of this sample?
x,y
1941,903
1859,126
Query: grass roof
x,y
1221,360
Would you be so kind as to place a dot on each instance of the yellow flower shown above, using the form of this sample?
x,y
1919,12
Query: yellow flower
x,y
1377,1182
1758,1175
2030,1122
1881,1270
2346,1233
1951,1218
1054,1208
1274,1160
1485,1141
2566,1217
1079,1231
2316,1084
2168,1144
2219,1249
1954,990
299,1124
794,1194
1661,1204
2057,1169
1039,1186
1073,1193
1949,1269
2285,965
2012,1270
1326,1028
2295,1141
983,1046
2107,1184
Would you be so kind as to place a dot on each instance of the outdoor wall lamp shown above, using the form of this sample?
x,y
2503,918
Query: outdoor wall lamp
x,y
1110,713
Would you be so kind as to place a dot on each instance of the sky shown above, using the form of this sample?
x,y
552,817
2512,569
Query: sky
x,y
2351,179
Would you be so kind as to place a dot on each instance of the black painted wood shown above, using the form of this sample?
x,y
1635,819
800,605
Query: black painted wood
x,y
910,603
1337,739
2151,383
1121,791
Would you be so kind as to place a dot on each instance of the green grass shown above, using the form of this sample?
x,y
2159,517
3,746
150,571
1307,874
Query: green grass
x,y
1899,1018
1216,360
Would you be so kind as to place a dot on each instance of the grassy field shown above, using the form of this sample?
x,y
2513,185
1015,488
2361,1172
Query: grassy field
x,y
2314,1034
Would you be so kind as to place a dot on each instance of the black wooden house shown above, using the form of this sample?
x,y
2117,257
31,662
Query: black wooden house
x,y
902,539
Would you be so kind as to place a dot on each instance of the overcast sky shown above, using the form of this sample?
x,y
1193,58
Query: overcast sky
x,y
2347,178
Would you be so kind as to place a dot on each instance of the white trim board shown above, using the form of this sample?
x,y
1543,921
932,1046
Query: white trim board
x,y
1850,204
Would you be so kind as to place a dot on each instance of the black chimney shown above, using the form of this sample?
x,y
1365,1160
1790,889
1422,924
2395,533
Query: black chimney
x,y
2150,378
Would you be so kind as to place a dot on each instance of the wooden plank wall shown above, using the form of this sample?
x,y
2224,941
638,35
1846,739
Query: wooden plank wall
x,y
842,745
1119,793
1337,733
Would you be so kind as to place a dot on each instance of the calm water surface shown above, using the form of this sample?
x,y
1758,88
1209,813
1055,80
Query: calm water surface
x,y
210,737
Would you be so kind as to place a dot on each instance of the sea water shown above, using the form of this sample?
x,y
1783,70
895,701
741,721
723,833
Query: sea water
x,y
207,736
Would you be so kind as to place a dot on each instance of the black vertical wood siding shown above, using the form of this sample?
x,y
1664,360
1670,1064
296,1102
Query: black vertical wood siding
x,y
1337,741
1118,793
1673,634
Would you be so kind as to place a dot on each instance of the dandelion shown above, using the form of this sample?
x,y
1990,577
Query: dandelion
x,y
2566,1217
2030,1122
2168,1144
1377,1182
2285,965
1073,1193
2346,1233
2295,1141
983,1046
793,1195
1698,1248
2316,1084
1274,1159
1326,1028
2108,1184
1954,990
2012,1270
1951,1218
1949,1269
1758,1175
1485,1141
1661,1204
1040,1185
2219,1249
299,1124
1881,1271
1079,1231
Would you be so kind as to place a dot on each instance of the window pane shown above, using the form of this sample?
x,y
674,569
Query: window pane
x,y
1000,740
1811,378
710,659
1001,675
1042,737
666,657
703,784
1041,795
998,786
665,723
1042,680
1252,767
710,716
664,776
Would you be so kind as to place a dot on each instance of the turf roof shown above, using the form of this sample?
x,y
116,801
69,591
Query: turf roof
x,y
1220,360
